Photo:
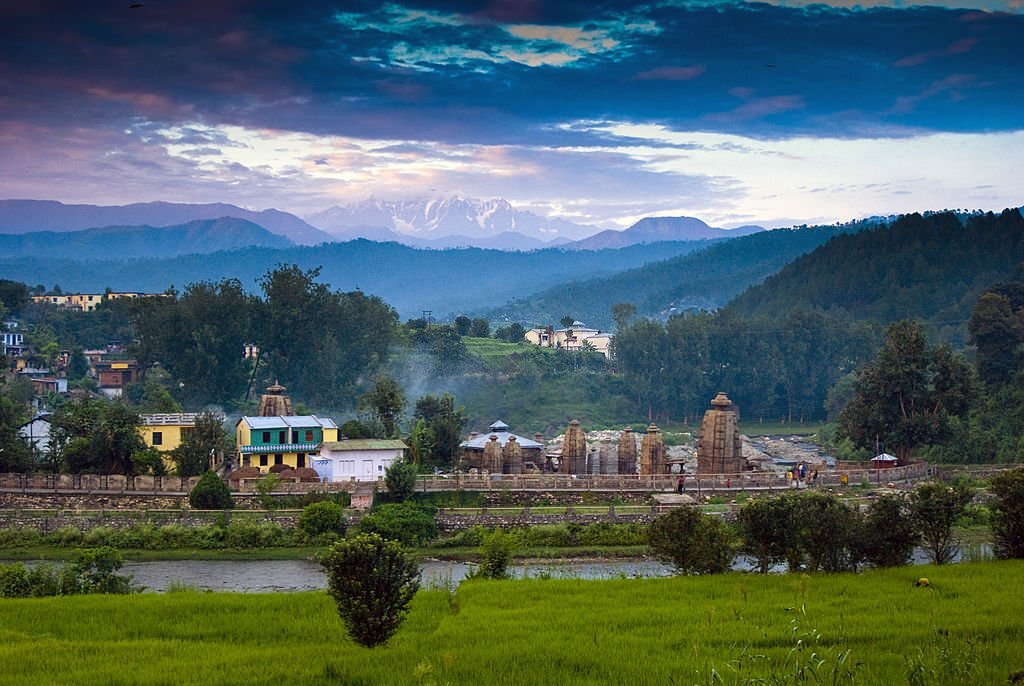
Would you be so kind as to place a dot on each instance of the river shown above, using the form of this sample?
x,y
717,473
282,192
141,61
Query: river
x,y
273,576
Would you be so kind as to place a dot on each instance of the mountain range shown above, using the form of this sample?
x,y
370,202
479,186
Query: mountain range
x,y
448,282
431,224
25,216
431,219
123,242
655,229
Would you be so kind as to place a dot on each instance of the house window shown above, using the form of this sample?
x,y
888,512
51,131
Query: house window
x,y
279,458
158,438
263,460
295,435
300,460
266,437
309,436
282,437
245,460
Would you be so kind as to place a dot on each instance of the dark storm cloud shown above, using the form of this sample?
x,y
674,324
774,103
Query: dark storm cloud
x,y
506,72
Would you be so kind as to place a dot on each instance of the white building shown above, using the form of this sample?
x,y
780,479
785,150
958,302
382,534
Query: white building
x,y
357,459
37,433
575,337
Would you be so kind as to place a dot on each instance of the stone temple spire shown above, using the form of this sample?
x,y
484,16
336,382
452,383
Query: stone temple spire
x,y
275,403
719,449
493,457
513,457
627,452
652,452
574,450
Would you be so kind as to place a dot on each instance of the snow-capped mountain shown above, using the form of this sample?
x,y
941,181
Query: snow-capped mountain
x,y
432,219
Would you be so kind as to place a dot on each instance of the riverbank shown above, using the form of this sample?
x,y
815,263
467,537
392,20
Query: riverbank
x,y
870,628
457,554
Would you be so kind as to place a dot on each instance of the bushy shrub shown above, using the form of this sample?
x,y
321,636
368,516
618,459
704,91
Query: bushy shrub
x,y
934,508
544,536
1008,514
888,536
400,479
97,567
815,531
14,581
473,537
407,523
496,555
20,538
692,542
322,519
66,537
211,493
101,536
609,534
372,612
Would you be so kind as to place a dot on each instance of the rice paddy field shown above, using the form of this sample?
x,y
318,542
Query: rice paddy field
x,y
965,627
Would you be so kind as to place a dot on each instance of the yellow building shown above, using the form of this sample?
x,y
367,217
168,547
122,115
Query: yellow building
x,y
165,432
289,440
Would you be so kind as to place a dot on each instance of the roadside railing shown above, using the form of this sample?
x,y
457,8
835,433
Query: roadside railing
x,y
618,483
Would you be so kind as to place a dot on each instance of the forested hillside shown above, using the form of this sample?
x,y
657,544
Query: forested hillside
x,y
446,281
931,268
699,281
195,237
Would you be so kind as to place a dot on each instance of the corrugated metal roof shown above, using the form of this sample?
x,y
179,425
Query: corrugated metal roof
x,y
365,444
286,422
480,441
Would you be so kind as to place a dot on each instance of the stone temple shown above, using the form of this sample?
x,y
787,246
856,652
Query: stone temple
x,y
719,449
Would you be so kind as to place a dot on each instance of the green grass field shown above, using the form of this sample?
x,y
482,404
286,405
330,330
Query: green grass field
x,y
873,628
491,349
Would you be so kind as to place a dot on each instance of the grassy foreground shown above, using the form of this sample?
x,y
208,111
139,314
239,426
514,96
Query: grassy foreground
x,y
875,627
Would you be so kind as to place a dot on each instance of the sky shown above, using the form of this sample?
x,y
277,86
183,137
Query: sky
x,y
601,112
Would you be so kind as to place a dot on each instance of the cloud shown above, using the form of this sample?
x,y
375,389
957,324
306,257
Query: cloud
x,y
297,104
960,47
671,73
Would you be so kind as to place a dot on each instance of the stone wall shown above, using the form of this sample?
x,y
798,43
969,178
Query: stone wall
x,y
448,522
121,520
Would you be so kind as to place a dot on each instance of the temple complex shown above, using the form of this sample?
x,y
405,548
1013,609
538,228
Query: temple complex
x,y
513,459
719,450
652,452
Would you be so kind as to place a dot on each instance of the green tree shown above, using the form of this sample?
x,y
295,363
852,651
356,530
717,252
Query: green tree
x,y
495,556
15,453
420,442
1008,514
400,480
908,395
407,523
445,421
567,321
996,330
767,534
480,328
211,493
692,542
386,400
463,325
200,445
372,582
934,508
78,365
13,295
889,534
621,314
324,518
